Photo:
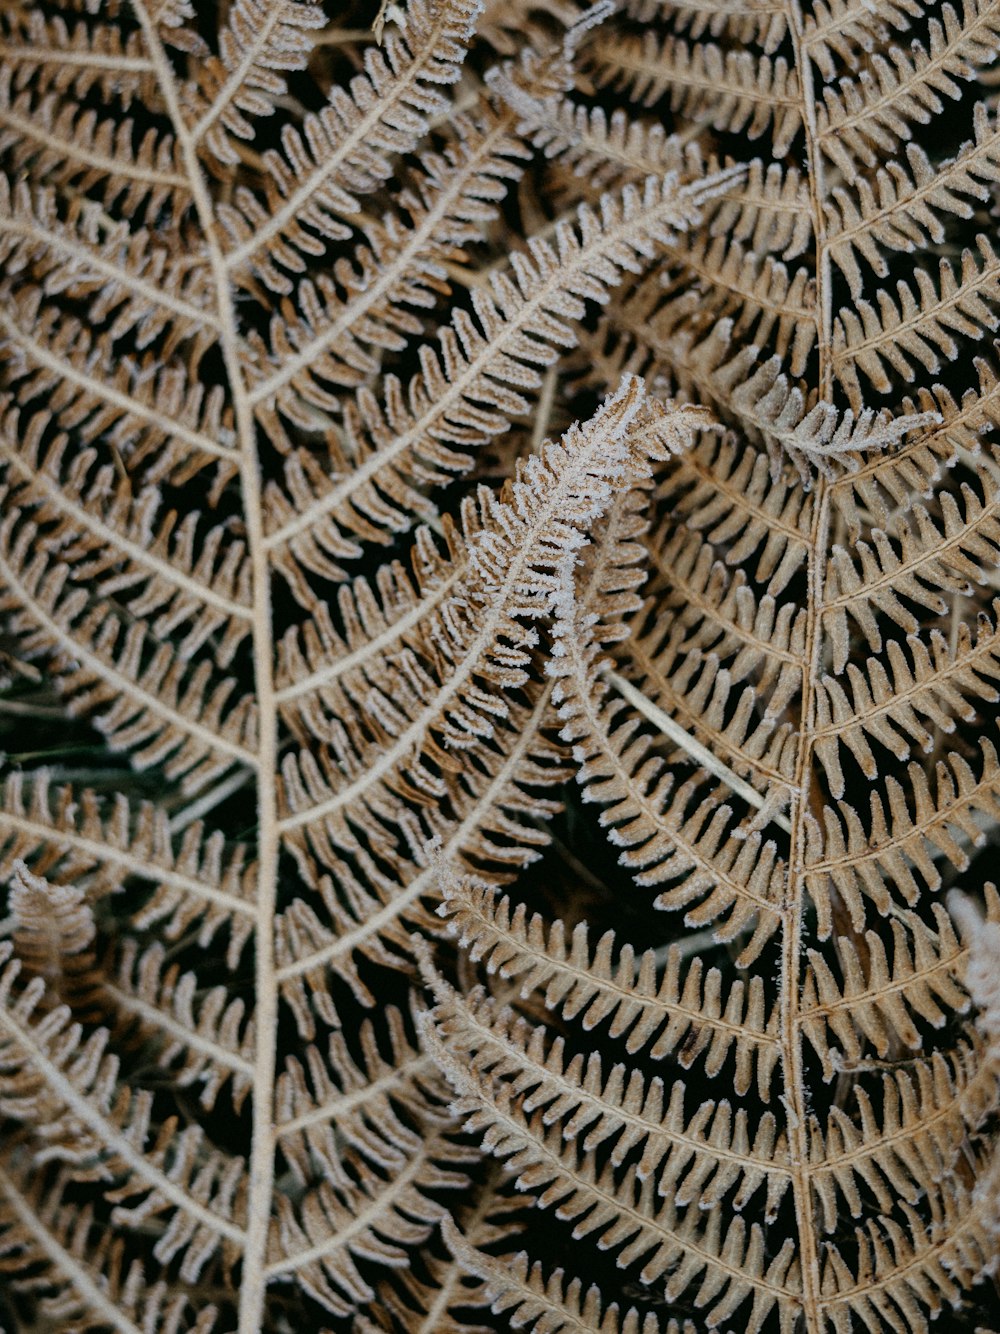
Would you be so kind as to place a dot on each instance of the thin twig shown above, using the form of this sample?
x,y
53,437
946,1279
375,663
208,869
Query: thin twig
x,y
692,747
210,800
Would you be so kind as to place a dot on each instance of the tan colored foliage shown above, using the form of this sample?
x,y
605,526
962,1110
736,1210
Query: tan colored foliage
x,y
506,497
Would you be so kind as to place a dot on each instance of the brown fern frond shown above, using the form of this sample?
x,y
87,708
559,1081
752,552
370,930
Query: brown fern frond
x,y
684,1011
626,1214
517,1288
839,31
320,1241
243,82
917,326
873,112
901,209
81,1274
65,1090
54,138
331,690
469,391
346,148
729,90
876,1001
906,823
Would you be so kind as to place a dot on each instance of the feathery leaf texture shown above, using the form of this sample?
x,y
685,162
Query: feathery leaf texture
x,y
499,676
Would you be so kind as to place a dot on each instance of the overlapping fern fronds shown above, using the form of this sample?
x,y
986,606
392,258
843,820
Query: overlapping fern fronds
x,y
497,567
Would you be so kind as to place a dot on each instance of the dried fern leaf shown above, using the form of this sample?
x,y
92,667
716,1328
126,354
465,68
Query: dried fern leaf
x,y
274,291
876,1002
346,148
202,1025
917,326
685,1011
900,210
243,81
74,56
440,1305
54,138
763,21
320,1240
469,391
196,880
842,30
729,90
874,112
516,1288
646,1227
85,1278
696,1159
337,338
344,1106
51,1079
735,879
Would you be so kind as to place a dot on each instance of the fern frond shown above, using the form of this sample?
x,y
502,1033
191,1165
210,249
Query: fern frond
x,y
205,1027
241,84
762,639
873,113
149,701
398,272
920,326
764,22
734,91
57,141
909,1262
669,830
480,642
512,577
437,1304
74,56
347,148
723,488
771,304
123,273
921,559
697,692
838,31
684,1012
320,1241
877,1002
930,1114
481,824
276,291
696,1159
900,210
624,1213
767,213
932,684
145,408
512,566
486,369
909,829
168,572
771,405
366,1106
517,1289
609,150
197,882
66,1091
85,1278
883,485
